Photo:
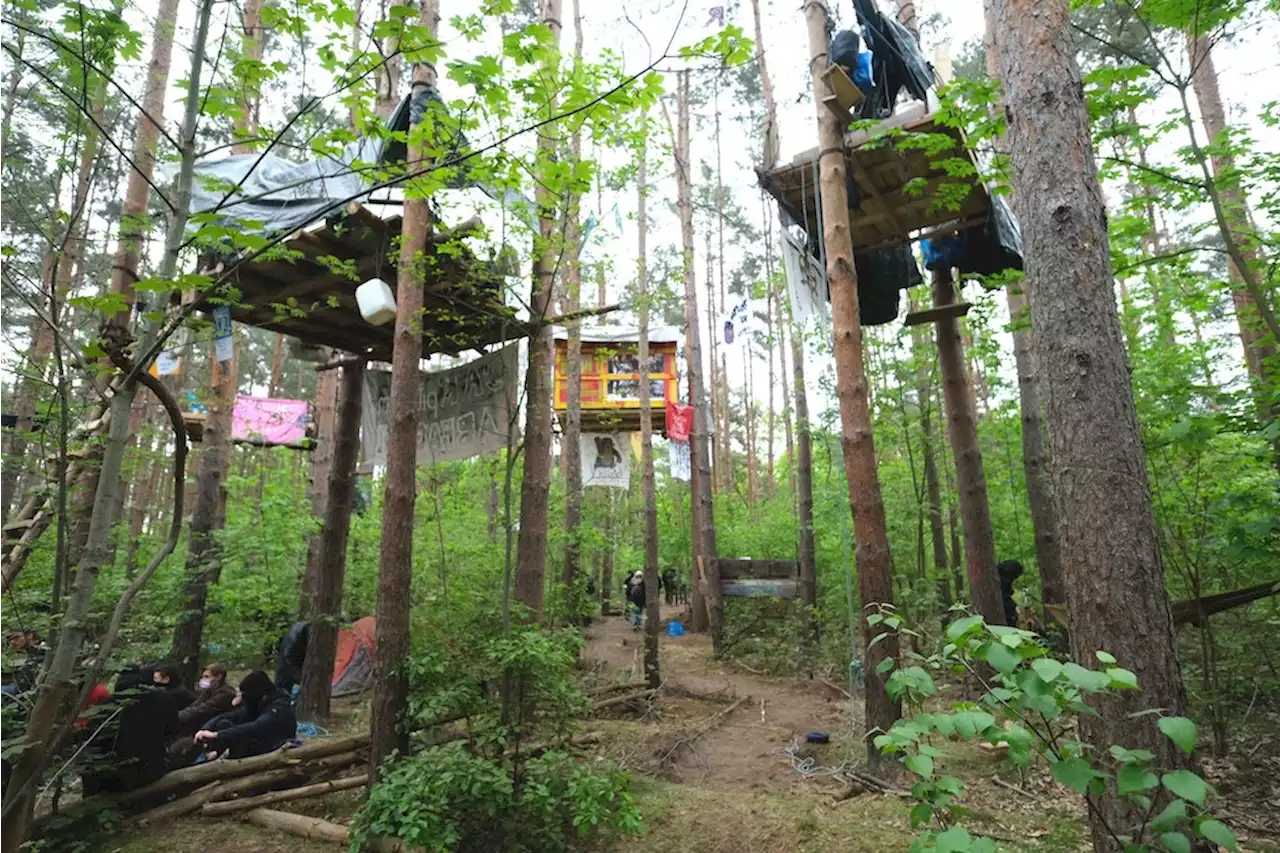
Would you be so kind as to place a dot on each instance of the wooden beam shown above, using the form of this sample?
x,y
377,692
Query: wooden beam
x,y
933,315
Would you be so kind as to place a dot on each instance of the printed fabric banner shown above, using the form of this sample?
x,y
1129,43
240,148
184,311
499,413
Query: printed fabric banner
x,y
462,412
679,421
265,420
605,460
806,281
681,467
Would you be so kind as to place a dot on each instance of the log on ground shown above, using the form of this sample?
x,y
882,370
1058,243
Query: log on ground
x,y
317,789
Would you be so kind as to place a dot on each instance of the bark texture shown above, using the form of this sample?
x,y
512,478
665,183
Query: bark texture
x,y
395,559
326,401
857,440
535,487
1111,554
706,573
1259,347
975,511
573,358
653,616
322,638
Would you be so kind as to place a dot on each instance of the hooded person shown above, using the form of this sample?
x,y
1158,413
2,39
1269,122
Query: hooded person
x,y
291,655
169,679
635,595
262,720
130,749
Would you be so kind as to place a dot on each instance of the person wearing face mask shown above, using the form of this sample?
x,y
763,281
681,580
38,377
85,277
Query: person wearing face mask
x,y
262,720
215,698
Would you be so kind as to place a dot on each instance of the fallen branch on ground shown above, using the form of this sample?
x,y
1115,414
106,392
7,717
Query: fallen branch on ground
x,y
610,688
320,830
622,700
227,788
837,688
864,783
299,825
314,790
702,728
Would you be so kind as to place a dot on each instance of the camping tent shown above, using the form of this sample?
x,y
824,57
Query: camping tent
x,y
353,664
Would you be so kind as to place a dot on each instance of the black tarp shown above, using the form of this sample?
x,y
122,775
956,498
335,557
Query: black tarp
x,y
896,62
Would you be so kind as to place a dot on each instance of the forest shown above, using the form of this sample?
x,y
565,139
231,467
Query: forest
x,y
537,425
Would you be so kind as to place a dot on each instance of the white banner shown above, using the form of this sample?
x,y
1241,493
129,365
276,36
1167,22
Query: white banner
x,y
806,282
462,412
678,457
606,460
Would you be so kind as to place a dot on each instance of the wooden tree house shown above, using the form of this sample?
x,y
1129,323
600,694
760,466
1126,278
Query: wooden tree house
x,y
611,376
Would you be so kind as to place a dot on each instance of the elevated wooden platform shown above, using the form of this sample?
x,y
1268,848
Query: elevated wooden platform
x,y
909,170
759,578
307,290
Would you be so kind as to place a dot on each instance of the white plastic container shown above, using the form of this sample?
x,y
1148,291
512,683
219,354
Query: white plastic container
x,y
377,302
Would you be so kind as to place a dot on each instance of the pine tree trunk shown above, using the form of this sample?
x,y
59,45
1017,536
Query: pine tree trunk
x,y
322,638
573,367
395,559
769,416
606,560
531,559
1035,462
922,351
720,454
326,401
707,608
975,512
857,441
802,464
653,615
204,556
1112,562
1259,349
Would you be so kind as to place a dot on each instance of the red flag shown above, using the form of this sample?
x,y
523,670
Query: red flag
x,y
679,421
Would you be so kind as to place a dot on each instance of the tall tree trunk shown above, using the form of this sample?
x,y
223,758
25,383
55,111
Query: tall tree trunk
x,y
1035,463
770,420
326,401
395,558
806,549
653,615
531,558
606,559
707,608
770,132
1259,347
1112,562
975,512
751,427
721,455
56,696
872,539
573,358
322,637
922,350
726,417
204,555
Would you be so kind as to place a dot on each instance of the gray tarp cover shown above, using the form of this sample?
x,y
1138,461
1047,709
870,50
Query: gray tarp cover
x,y
273,195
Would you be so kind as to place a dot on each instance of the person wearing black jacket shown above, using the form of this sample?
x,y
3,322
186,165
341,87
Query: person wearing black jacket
x,y
262,720
290,656
132,749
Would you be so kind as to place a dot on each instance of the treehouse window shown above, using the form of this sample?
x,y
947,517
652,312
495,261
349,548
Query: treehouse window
x,y
620,390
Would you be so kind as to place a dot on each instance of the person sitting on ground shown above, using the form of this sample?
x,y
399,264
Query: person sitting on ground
x,y
131,749
291,655
635,596
215,698
262,720
168,677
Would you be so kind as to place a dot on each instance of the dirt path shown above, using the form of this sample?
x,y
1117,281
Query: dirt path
x,y
742,751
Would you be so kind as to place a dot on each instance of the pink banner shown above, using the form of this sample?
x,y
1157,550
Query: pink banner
x,y
269,421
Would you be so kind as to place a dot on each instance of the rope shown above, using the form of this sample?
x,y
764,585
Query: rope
x,y
808,766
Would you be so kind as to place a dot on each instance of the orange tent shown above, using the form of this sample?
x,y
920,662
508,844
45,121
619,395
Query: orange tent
x,y
353,664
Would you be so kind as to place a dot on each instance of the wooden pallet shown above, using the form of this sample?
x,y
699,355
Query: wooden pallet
x,y
902,185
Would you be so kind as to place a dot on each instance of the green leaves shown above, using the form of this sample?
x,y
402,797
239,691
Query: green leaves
x,y
1217,832
1176,842
1133,779
921,765
1047,668
1181,731
1075,773
1186,785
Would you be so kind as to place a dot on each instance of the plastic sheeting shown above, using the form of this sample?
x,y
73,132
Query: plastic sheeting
x,y
896,62
986,249
270,195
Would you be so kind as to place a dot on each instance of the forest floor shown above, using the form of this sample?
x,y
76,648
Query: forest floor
x,y
718,780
